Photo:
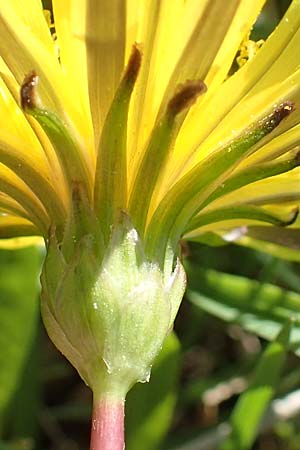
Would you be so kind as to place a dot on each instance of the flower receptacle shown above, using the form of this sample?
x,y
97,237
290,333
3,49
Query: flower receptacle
x,y
109,312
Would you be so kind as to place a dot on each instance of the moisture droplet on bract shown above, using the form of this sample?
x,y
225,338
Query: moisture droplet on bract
x,y
146,379
132,235
108,366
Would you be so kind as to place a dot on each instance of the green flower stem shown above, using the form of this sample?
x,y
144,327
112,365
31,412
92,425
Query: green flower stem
x,y
107,430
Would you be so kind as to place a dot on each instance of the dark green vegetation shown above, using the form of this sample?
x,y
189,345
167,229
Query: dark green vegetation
x,y
233,360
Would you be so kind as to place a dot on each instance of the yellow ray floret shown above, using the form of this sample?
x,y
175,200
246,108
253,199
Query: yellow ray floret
x,y
112,111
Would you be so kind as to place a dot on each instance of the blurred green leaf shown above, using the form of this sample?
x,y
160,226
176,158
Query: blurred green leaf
x,y
252,404
22,444
149,407
4,446
28,393
281,242
194,390
209,238
258,308
19,312
267,21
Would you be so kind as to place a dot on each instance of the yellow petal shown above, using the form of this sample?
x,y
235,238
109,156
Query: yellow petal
x,y
283,189
30,173
212,46
21,151
14,187
72,52
249,110
189,42
10,206
9,101
24,50
243,94
100,25
241,216
285,142
163,33
32,16
246,15
21,242
14,226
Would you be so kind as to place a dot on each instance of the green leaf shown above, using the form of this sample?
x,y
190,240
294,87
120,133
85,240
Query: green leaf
x,y
252,404
149,407
19,312
258,308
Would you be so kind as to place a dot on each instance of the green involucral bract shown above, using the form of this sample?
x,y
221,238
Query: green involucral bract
x,y
109,311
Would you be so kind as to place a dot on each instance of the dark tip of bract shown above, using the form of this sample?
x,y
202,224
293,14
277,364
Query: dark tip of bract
x,y
282,111
29,98
134,64
293,216
186,96
297,157
76,191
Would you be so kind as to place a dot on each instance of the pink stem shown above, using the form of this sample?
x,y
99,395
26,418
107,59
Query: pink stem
x,y
107,431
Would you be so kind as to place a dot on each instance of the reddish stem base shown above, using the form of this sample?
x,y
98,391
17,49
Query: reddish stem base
x,y
107,431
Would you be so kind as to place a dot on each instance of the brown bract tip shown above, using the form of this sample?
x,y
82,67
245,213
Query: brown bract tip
x,y
29,98
292,217
134,64
297,157
76,191
186,96
282,111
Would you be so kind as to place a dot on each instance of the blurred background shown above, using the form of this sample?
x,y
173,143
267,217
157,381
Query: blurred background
x,y
237,301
